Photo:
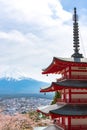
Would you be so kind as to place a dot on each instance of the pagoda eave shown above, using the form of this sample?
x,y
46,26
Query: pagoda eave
x,y
52,88
70,111
53,116
45,110
47,114
67,84
59,63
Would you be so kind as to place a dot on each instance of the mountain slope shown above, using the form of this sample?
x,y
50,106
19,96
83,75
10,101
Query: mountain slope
x,y
25,85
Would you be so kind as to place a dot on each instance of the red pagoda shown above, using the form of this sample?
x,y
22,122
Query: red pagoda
x,y
70,111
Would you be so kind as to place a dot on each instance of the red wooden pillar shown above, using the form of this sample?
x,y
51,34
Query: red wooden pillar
x,y
69,123
69,72
65,95
63,122
69,95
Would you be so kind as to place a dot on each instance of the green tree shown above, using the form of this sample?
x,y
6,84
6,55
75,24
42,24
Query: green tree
x,y
57,95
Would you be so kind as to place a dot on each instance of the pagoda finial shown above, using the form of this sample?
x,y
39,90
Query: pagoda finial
x,y
76,54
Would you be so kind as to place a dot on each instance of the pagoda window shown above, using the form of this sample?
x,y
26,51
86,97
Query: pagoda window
x,y
79,95
79,72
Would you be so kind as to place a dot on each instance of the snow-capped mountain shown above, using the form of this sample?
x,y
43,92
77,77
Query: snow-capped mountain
x,y
22,85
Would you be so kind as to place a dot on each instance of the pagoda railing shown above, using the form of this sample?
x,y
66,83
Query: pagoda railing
x,y
80,77
79,101
73,77
72,127
78,127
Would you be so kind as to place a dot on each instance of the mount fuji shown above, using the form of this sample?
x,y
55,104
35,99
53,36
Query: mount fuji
x,y
19,86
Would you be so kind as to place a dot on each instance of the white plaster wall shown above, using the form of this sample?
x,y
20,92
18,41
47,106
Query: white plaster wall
x,y
79,96
79,121
78,90
61,120
78,73
66,121
78,68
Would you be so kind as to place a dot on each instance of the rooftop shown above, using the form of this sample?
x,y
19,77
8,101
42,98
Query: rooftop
x,y
46,109
71,110
58,64
73,84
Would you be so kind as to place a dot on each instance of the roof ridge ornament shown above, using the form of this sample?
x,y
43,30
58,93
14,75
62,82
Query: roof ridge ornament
x,y
76,46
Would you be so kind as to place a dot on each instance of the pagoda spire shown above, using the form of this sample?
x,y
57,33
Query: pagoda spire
x,y
76,46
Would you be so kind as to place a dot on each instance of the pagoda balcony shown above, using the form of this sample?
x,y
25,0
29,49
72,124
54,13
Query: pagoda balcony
x,y
78,127
77,77
77,101
72,127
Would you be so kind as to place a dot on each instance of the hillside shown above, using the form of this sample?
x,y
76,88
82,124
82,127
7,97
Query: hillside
x,y
24,85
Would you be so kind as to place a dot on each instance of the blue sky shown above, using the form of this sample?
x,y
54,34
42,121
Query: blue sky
x,y
69,4
32,32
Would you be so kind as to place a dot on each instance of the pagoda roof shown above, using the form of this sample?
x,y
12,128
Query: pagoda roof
x,y
59,64
66,84
45,109
70,110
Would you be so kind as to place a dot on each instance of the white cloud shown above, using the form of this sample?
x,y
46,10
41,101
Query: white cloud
x,y
27,52
35,11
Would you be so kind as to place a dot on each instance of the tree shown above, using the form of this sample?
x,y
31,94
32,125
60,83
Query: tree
x,y
57,95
